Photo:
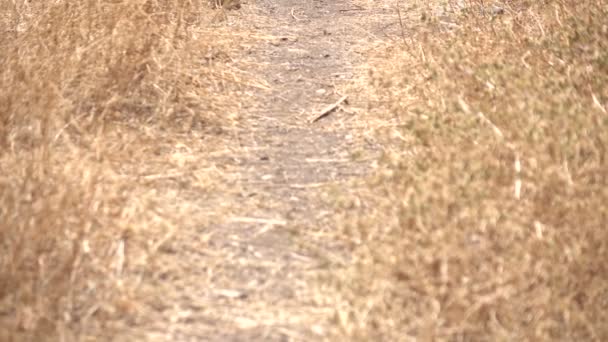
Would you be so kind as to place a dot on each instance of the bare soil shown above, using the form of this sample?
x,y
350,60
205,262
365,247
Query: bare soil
x,y
253,273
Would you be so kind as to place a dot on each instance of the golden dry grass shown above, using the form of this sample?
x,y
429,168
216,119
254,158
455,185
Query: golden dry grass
x,y
94,97
487,221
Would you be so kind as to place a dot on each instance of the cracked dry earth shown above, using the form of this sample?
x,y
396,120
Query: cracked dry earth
x,y
253,275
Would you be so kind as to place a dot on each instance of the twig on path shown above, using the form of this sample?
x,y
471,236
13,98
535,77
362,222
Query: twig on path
x,y
293,15
258,220
401,24
329,109
354,8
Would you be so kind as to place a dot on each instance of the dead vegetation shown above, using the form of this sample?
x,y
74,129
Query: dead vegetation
x,y
488,220
94,98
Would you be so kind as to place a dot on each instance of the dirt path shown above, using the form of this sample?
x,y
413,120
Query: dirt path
x,y
253,275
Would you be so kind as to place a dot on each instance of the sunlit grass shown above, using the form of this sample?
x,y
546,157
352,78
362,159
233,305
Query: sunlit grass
x,y
488,221
91,92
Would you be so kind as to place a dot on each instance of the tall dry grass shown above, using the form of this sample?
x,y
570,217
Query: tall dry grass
x,y
89,90
489,220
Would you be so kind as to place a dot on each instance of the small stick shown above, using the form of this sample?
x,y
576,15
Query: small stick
x,y
293,15
258,220
401,24
517,186
329,109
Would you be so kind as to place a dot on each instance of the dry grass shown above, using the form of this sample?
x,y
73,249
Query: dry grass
x,y
488,221
90,91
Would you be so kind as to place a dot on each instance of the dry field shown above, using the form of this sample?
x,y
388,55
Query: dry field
x,y
160,177
99,104
488,218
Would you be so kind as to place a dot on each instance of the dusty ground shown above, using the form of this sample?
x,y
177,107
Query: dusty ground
x,y
253,272
162,177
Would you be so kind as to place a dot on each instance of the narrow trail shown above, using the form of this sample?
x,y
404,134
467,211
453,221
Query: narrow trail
x,y
253,274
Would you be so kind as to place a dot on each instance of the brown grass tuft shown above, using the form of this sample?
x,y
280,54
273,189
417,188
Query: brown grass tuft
x,y
91,90
489,219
